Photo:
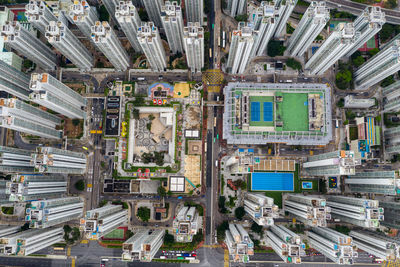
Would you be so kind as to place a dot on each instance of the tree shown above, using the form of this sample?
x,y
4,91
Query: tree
x,y
221,204
358,61
294,64
143,213
103,203
388,81
275,48
239,213
256,228
344,79
241,17
135,113
80,185
151,117
340,103
161,191
387,32
168,238
390,4
221,230
75,122
103,14
289,28
373,52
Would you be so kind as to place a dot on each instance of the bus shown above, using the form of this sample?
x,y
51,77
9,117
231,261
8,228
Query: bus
x,y
210,53
212,26
337,123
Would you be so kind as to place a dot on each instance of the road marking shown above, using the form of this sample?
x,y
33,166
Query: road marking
x,y
73,262
211,246
226,258
69,251
85,241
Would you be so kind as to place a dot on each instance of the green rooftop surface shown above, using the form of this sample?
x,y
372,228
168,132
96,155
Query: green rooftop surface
x,y
293,111
261,99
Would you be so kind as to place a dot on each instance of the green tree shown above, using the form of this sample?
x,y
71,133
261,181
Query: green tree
x,y
294,64
289,28
388,81
80,185
239,213
161,191
358,61
143,213
103,14
390,4
275,48
241,17
344,79
387,32
221,230
135,113
221,204
75,122
168,238
256,228
373,52
340,103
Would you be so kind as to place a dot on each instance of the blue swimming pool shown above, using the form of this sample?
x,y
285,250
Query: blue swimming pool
x,y
272,181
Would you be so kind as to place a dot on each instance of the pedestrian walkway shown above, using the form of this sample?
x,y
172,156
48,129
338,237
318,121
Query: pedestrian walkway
x,y
226,258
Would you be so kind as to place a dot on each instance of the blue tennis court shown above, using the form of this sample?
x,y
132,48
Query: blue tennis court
x,y
255,111
272,181
268,111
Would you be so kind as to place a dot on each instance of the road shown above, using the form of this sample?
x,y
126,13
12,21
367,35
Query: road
x,y
21,144
33,262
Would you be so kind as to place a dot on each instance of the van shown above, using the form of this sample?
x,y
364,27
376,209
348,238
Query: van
x,y
141,78
113,104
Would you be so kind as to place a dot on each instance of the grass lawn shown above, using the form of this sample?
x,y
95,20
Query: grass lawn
x,y
353,133
294,111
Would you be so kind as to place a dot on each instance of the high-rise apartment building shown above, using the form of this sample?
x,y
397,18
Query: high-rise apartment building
x,y
151,43
143,245
14,81
111,6
84,16
193,42
285,10
391,95
28,187
351,102
240,51
194,11
108,43
172,21
6,230
186,224
20,116
54,160
368,24
53,94
260,208
392,211
336,246
377,244
51,212
20,39
311,24
239,244
129,20
39,15
358,211
101,221
29,241
340,162
237,7
377,182
15,160
265,23
392,140
383,64
332,49
153,9
286,244
311,210
59,36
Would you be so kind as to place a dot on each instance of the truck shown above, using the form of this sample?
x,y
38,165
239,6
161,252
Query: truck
x,y
216,163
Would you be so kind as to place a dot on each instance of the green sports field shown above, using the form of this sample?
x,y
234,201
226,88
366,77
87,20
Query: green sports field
x,y
115,234
293,111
